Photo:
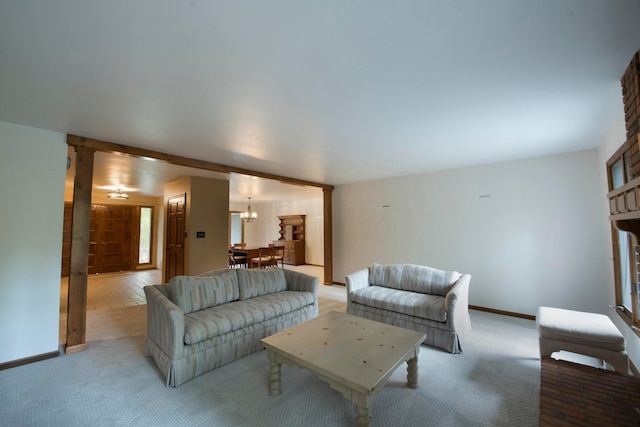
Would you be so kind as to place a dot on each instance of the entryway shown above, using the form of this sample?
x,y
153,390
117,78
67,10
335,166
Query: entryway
x,y
108,298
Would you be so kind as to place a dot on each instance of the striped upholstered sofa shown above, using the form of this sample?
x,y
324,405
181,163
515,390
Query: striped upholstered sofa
x,y
414,297
196,324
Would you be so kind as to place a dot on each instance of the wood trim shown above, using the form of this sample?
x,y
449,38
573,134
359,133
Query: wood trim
x,y
75,348
619,152
77,302
328,235
27,360
502,312
109,147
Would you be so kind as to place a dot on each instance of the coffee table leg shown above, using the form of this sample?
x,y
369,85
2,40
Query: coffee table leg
x,y
412,372
274,375
363,419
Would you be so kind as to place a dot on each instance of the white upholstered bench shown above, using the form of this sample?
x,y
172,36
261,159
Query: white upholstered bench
x,y
589,334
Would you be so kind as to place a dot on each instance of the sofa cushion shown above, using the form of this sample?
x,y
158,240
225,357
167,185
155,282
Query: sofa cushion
x,y
256,282
415,278
430,307
197,293
215,321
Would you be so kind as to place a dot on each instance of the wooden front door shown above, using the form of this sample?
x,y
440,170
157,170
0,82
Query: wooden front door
x,y
111,242
174,259
113,231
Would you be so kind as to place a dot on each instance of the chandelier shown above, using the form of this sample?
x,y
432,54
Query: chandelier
x,y
248,215
117,195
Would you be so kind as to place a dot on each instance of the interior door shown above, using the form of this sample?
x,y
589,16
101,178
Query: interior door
x,y
174,259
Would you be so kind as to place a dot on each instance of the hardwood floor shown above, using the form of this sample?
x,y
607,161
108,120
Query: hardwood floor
x,y
116,305
577,395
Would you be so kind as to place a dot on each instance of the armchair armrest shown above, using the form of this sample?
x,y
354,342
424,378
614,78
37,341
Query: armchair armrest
x,y
165,323
457,305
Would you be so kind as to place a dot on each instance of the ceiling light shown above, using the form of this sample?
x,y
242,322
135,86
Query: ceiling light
x,y
117,195
249,215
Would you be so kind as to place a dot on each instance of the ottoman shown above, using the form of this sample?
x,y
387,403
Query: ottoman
x,y
589,334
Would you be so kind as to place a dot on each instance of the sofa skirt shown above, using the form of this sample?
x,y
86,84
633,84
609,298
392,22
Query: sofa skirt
x,y
218,351
437,333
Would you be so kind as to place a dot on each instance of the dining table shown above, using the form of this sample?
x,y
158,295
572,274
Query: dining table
x,y
249,251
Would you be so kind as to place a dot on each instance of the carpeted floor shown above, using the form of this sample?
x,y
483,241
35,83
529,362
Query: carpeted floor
x,y
495,382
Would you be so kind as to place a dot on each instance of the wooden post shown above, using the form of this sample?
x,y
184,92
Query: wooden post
x,y
77,303
328,236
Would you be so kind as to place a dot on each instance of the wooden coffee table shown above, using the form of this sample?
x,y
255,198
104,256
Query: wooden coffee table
x,y
355,356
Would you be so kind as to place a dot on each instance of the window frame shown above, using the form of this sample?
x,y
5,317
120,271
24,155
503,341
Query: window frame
x,y
630,316
231,213
151,240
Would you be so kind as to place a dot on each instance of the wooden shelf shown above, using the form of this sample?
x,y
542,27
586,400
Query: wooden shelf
x,y
292,238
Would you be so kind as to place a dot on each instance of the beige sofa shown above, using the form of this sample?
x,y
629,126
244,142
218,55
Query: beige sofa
x,y
414,297
196,324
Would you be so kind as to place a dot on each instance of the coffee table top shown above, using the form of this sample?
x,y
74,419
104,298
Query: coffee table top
x,y
356,352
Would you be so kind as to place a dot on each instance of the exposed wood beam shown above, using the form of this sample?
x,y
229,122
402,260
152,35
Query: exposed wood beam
x,y
109,147
328,236
77,299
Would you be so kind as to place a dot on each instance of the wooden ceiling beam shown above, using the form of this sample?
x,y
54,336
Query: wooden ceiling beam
x,y
110,147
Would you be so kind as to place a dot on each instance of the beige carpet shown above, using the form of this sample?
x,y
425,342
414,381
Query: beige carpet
x,y
494,383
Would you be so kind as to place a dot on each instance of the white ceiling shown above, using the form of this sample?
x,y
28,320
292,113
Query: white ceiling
x,y
331,91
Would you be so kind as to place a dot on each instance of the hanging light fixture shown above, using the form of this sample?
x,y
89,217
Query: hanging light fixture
x,y
248,215
117,195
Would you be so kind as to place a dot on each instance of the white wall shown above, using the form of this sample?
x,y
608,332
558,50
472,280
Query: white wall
x,y
529,232
33,165
614,139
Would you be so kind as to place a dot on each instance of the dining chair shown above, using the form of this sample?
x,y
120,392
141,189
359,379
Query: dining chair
x,y
264,258
236,259
278,255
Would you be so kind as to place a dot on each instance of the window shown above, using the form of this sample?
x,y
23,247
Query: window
x,y
144,249
236,228
626,249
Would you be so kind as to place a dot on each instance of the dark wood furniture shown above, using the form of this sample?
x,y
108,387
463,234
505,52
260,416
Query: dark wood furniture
x,y
237,259
292,238
278,255
248,251
264,258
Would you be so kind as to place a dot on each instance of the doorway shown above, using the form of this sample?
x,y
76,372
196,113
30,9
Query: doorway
x,y
116,238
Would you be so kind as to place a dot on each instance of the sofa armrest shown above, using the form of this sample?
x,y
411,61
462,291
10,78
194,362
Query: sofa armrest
x,y
301,282
357,280
165,323
457,305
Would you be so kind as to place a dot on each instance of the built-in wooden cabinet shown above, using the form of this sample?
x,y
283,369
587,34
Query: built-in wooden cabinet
x,y
292,238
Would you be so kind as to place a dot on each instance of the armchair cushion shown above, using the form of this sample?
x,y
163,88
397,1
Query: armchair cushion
x,y
430,307
197,293
415,278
